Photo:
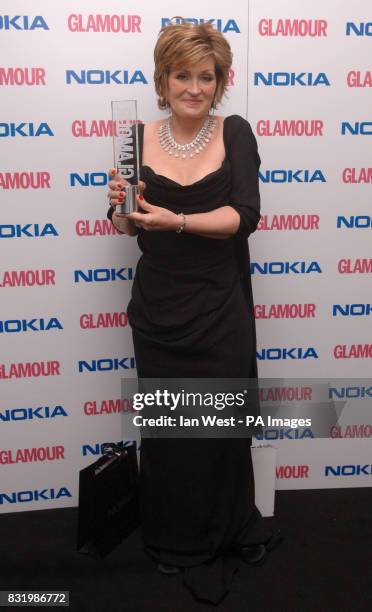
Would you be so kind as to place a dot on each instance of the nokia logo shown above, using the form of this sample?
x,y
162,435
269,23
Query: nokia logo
x,y
364,28
105,77
291,176
96,449
23,325
351,310
107,364
28,414
290,79
350,392
103,275
22,22
24,129
285,434
348,470
20,497
89,179
358,128
274,354
358,221
31,230
222,25
285,267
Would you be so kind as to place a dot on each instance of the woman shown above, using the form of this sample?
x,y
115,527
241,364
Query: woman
x,y
191,311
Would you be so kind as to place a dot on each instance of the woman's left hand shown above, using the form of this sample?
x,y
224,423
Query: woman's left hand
x,y
154,218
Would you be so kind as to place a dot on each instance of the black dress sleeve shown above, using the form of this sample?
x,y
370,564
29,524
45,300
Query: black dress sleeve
x,y
245,162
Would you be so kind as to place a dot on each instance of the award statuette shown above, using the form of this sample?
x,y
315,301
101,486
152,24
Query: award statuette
x,y
126,151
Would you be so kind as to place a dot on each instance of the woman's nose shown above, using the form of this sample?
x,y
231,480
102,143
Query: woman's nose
x,y
194,87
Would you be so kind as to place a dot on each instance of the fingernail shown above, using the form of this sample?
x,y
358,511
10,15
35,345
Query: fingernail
x,y
141,197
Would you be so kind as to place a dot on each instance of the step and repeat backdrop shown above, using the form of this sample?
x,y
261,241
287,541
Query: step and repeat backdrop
x,y
302,76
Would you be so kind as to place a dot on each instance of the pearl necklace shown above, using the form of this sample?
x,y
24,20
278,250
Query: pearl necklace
x,y
190,149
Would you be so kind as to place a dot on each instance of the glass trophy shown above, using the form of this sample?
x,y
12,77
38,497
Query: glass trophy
x,y
126,151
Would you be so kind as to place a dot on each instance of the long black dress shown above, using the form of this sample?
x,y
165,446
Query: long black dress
x,y
191,315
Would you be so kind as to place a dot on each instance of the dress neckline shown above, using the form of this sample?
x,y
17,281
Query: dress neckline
x,y
207,176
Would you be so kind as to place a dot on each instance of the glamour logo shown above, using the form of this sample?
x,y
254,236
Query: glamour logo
x,y
364,28
25,180
103,275
292,471
96,449
288,222
348,470
20,497
290,127
104,23
285,311
107,364
27,278
351,431
291,176
290,79
358,128
355,266
32,455
284,394
274,354
116,406
100,128
285,434
357,175
292,27
30,230
351,310
355,221
354,351
89,179
103,319
28,414
95,227
105,77
24,129
30,369
285,267
14,326
22,22
22,76
222,25
357,78
358,392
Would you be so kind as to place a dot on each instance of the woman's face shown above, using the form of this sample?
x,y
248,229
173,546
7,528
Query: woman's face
x,y
191,90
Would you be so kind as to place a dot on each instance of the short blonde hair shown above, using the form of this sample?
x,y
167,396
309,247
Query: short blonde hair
x,y
185,44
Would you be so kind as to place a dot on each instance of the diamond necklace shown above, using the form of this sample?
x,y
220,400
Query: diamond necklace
x,y
190,149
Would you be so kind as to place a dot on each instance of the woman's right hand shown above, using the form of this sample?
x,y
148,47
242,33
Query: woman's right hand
x,y
116,194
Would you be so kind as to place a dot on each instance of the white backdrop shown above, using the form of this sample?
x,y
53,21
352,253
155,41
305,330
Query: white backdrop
x,y
61,65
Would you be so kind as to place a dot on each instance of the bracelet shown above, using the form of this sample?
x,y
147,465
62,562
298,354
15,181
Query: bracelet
x,y
183,223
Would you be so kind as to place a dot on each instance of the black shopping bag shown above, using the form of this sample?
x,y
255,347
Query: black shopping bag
x,y
108,500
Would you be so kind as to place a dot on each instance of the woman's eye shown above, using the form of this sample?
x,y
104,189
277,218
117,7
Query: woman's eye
x,y
208,78
181,77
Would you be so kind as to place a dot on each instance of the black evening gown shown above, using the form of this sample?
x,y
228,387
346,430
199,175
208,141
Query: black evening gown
x,y
191,315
